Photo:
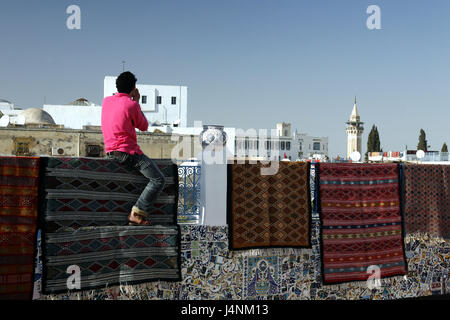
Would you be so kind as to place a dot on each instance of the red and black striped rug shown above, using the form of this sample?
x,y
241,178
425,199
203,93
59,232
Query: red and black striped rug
x,y
361,221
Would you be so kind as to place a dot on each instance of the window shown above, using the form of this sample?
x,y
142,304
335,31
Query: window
x,y
22,146
288,145
282,145
174,100
316,146
300,145
22,149
285,133
93,150
158,100
144,99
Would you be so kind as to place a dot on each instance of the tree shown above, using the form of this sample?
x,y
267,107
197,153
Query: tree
x,y
373,142
423,143
444,148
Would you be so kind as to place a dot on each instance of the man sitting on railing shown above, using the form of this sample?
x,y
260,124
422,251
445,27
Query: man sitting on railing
x,y
121,115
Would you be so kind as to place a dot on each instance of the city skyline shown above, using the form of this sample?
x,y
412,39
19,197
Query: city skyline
x,y
246,65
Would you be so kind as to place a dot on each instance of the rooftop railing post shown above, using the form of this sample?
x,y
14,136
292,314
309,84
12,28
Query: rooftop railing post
x,y
213,191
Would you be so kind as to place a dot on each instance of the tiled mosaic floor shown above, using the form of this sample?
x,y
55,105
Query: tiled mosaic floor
x,y
211,271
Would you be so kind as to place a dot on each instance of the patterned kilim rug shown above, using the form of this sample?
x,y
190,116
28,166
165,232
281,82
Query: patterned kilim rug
x,y
427,199
109,256
85,212
18,217
361,221
82,192
269,210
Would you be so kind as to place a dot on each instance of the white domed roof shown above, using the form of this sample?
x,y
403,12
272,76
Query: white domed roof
x,y
37,116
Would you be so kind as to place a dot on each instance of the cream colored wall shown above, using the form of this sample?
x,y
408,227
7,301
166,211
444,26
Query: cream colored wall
x,y
42,140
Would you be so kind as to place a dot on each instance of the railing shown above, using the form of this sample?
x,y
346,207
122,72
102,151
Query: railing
x,y
436,156
189,193
312,185
429,157
189,209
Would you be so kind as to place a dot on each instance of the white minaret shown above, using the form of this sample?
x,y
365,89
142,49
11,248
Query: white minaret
x,y
354,132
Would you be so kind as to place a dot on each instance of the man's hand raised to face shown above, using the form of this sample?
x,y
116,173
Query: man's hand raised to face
x,y
135,95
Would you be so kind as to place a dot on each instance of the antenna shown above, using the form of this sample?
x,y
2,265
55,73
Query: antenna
x,y
123,65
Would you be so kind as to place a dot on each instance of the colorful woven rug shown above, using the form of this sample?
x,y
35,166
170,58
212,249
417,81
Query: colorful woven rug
x,y
18,217
82,192
108,256
269,210
427,199
361,221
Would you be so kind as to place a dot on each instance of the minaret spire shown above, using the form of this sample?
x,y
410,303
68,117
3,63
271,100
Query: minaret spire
x,y
355,115
354,132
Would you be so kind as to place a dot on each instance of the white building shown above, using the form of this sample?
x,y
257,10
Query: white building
x,y
310,147
279,144
160,104
76,114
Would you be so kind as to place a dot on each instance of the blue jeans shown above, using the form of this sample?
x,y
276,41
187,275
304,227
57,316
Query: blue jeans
x,y
150,170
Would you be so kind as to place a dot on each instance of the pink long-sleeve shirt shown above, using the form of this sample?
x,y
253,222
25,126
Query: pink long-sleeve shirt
x,y
120,116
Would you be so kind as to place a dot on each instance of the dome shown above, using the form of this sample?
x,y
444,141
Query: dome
x,y
36,116
81,102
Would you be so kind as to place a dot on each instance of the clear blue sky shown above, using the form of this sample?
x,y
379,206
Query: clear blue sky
x,y
247,63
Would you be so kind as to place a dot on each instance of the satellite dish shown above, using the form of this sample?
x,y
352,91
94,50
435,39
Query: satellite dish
x,y
420,154
4,121
355,156
20,119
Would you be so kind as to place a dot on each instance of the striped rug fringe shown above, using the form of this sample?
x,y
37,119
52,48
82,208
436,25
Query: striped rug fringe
x,y
363,285
265,252
424,237
120,292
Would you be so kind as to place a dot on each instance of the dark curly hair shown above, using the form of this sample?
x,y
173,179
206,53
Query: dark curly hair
x,y
125,82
